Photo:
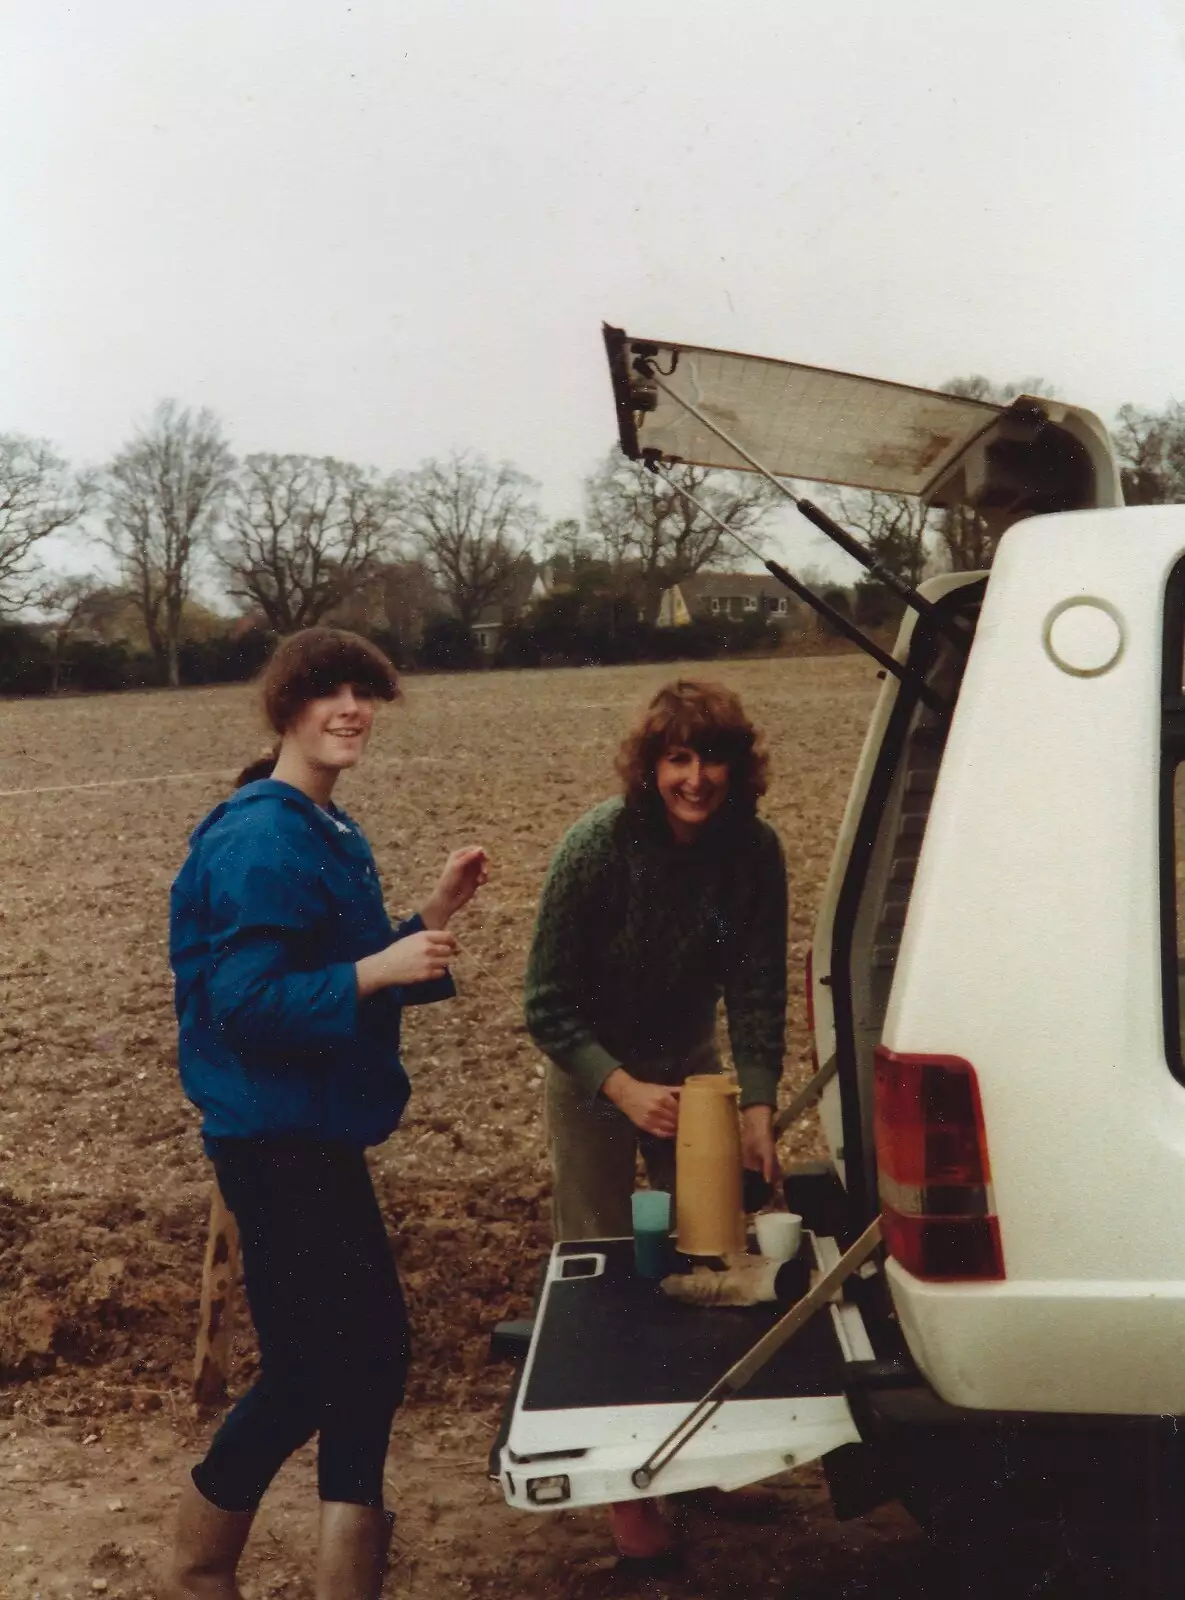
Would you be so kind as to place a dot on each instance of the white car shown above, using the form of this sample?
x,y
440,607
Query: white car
x,y
995,998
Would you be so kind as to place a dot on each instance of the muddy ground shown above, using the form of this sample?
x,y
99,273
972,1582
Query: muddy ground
x,y
104,1191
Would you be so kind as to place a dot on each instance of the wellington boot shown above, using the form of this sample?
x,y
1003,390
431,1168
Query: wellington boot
x,y
206,1549
640,1531
352,1554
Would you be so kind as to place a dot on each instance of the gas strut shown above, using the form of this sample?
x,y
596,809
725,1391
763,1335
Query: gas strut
x,y
740,1373
832,614
645,367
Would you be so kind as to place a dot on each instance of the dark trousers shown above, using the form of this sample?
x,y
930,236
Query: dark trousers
x,y
330,1318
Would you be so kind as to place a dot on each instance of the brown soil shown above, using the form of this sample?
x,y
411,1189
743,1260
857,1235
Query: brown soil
x,y
104,1190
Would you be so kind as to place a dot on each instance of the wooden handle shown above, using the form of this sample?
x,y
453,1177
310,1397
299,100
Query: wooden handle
x,y
220,1272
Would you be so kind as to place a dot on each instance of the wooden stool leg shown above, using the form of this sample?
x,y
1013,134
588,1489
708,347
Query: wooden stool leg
x,y
220,1273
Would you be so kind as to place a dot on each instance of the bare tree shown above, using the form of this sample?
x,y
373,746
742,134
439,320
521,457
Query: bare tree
x,y
574,559
895,527
409,597
471,522
38,496
303,534
398,598
565,541
967,538
69,605
164,496
1151,450
649,531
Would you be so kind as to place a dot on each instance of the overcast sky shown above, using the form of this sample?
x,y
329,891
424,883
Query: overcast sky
x,y
388,230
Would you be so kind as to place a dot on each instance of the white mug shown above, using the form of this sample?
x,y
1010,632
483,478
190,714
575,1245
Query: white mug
x,y
779,1234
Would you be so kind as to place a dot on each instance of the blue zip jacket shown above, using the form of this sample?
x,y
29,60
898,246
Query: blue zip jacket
x,y
275,903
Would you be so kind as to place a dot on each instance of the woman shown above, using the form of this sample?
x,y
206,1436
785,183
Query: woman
x,y
290,981
656,905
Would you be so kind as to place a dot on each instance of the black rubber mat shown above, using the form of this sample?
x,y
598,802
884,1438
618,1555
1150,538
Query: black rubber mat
x,y
617,1340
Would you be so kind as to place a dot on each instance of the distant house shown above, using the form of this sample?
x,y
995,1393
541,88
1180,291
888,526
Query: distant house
x,y
486,630
528,585
253,621
728,596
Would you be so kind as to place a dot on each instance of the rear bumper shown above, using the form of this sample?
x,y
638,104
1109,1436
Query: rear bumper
x,y
891,1399
1061,1346
1032,1466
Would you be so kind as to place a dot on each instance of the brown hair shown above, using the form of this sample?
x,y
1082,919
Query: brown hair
x,y
308,665
706,718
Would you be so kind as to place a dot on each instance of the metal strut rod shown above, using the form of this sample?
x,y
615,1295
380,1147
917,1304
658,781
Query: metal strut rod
x,y
750,1364
806,1096
834,616
925,608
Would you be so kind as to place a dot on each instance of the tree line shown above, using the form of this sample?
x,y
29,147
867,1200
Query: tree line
x,y
420,556
290,540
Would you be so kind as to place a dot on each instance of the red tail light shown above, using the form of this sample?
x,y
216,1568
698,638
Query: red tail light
x,y
935,1176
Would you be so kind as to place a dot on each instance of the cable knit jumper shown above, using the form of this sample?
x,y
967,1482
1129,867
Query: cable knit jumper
x,y
639,937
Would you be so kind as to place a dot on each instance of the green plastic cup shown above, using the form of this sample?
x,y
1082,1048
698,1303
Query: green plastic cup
x,y
652,1228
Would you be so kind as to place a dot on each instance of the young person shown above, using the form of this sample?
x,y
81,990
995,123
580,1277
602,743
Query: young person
x,y
290,981
658,904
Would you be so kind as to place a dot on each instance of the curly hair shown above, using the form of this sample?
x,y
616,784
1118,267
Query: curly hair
x,y
706,718
307,666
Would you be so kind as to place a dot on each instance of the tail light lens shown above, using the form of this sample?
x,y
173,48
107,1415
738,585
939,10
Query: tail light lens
x,y
935,1176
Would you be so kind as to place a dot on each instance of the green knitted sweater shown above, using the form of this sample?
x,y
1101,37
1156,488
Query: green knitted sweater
x,y
638,938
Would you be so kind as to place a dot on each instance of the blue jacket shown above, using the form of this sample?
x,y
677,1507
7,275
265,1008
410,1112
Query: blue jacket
x,y
275,903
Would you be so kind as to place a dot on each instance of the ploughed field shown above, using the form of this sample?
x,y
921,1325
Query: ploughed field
x,y
104,1190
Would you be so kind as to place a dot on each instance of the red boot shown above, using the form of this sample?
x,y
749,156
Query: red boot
x,y
640,1530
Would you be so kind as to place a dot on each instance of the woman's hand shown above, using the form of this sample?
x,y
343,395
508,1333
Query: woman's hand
x,y
419,958
758,1148
464,873
653,1107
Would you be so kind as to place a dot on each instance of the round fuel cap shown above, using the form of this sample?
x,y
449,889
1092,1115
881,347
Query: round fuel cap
x,y
1084,636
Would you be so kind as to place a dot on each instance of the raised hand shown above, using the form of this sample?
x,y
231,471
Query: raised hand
x,y
464,873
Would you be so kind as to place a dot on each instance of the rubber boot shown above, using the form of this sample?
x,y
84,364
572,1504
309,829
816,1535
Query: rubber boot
x,y
206,1549
352,1554
640,1531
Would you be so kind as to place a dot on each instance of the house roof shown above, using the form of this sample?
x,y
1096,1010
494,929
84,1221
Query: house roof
x,y
719,585
519,590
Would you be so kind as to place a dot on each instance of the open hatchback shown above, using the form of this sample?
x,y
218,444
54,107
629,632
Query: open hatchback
x,y
994,988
